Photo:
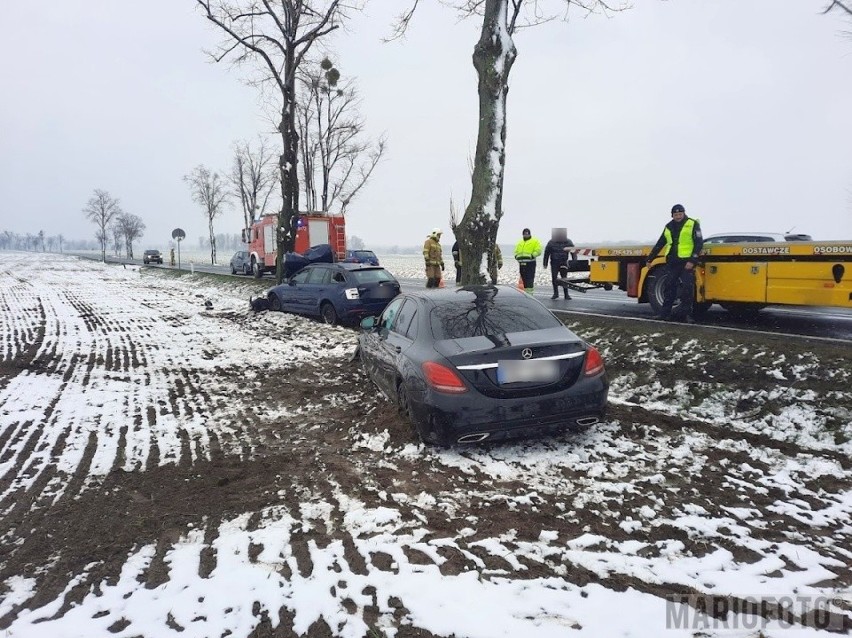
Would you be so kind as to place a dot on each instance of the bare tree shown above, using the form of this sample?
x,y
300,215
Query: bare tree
x,y
131,227
840,6
101,209
275,35
208,189
332,145
254,176
117,236
493,57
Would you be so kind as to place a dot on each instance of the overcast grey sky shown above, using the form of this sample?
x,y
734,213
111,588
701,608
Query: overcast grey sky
x,y
739,109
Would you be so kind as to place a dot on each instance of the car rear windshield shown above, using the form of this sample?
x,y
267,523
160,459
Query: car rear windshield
x,y
453,320
363,253
735,239
373,275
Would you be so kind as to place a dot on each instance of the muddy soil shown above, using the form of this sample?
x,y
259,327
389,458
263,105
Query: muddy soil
x,y
307,432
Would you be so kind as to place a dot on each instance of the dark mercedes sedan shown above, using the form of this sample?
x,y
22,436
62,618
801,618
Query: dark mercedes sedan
x,y
482,363
337,293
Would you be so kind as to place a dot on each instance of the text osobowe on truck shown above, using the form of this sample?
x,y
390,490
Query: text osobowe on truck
x,y
312,229
742,277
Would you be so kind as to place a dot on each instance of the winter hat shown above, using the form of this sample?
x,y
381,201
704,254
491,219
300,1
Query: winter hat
x,y
678,208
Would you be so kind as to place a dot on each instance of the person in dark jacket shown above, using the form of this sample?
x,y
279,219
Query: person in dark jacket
x,y
558,253
681,243
457,260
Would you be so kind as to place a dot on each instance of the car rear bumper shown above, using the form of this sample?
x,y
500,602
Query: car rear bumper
x,y
470,417
356,312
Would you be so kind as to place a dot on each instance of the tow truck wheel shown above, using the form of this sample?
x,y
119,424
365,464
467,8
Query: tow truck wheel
x,y
655,286
255,268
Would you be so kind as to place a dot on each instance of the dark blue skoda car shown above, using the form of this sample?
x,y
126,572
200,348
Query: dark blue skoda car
x,y
338,293
482,363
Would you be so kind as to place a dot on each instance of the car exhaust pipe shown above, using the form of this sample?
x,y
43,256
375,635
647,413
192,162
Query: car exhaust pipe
x,y
474,438
588,420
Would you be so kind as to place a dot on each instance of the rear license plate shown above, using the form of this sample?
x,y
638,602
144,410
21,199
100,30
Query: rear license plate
x,y
527,371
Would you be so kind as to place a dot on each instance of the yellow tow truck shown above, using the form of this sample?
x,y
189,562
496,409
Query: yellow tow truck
x,y
742,277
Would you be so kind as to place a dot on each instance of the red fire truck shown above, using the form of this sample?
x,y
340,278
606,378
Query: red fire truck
x,y
312,229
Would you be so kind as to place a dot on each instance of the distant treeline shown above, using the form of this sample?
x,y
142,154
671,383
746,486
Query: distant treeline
x,y
40,242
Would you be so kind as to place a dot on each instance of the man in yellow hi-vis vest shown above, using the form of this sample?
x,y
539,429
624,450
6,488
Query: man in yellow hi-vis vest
x,y
526,252
681,243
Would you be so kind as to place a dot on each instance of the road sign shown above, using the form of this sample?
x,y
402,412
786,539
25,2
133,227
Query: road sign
x,y
178,234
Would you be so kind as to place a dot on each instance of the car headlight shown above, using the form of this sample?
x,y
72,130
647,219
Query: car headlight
x,y
352,293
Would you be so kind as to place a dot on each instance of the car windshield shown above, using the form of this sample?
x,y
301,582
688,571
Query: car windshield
x,y
489,318
373,275
152,252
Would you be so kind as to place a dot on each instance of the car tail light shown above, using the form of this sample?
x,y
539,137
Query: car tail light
x,y
352,293
442,378
594,362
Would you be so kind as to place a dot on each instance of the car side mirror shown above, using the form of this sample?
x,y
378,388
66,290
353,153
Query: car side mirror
x,y
368,323
291,282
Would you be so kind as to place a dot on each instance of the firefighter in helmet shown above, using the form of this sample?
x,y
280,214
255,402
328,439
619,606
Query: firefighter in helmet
x,y
434,258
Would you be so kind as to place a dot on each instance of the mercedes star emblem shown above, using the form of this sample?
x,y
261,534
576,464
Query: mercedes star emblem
x,y
526,353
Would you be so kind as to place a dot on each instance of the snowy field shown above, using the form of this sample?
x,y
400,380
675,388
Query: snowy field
x,y
168,469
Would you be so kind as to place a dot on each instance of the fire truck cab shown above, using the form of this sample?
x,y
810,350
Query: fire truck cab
x,y
312,229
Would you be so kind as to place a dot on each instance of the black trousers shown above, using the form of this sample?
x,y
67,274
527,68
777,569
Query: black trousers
x,y
680,284
527,270
458,272
554,275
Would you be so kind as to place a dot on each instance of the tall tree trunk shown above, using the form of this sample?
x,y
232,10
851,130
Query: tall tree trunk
x,y
212,240
493,57
287,163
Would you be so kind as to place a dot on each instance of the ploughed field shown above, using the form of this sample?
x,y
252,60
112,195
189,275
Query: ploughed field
x,y
173,469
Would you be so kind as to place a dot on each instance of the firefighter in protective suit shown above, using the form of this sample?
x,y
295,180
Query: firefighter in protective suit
x,y
434,258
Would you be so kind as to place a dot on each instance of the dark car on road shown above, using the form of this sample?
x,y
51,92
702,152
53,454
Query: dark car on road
x,y
361,257
481,362
241,263
152,257
338,293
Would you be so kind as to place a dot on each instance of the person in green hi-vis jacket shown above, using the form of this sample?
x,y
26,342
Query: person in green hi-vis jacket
x,y
526,252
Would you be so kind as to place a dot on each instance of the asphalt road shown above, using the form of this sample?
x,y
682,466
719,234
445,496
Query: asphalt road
x,y
797,321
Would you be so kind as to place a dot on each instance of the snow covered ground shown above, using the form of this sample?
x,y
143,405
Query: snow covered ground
x,y
169,469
